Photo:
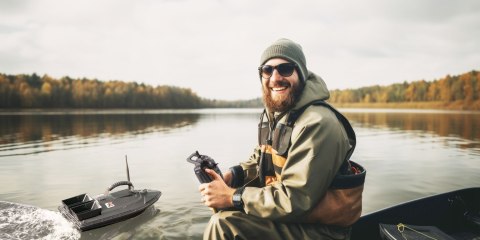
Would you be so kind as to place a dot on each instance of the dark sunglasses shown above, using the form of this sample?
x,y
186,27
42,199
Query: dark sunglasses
x,y
284,69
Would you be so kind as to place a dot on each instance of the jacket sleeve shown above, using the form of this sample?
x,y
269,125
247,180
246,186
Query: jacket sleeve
x,y
250,167
246,171
318,148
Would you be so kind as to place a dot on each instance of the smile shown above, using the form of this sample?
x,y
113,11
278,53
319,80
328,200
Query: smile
x,y
278,89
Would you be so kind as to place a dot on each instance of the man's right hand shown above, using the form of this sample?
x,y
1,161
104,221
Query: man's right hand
x,y
216,194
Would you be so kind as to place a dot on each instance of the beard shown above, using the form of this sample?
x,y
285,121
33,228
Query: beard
x,y
285,102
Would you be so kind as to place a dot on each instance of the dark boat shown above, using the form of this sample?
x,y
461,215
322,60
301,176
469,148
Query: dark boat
x,y
452,215
87,212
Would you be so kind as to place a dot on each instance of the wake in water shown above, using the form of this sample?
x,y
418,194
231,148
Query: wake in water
x,y
19,221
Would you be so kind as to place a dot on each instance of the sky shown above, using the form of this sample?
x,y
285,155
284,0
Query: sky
x,y
213,46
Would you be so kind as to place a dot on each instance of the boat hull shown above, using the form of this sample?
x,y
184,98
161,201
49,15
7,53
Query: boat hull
x,y
448,212
113,208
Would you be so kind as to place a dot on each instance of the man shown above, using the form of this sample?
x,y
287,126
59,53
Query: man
x,y
284,191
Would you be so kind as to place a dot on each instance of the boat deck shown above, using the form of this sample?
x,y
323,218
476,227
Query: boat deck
x,y
455,213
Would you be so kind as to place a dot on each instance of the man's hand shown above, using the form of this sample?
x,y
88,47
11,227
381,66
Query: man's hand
x,y
216,194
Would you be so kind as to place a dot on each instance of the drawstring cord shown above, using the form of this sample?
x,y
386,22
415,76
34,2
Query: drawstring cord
x,y
401,228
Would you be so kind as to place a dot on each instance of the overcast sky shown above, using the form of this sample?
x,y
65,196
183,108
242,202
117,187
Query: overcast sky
x,y
214,46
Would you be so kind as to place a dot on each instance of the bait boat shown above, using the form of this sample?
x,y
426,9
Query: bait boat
x,y
87,212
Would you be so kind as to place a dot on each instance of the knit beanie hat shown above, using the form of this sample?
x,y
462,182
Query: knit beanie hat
x,y
288,50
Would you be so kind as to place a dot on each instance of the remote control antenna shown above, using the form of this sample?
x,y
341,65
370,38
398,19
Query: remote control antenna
x,y
128,173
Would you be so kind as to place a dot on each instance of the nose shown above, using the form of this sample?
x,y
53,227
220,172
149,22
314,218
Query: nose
x,y
275,76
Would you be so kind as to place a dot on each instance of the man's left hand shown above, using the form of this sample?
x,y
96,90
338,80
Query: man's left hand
x,y
216,194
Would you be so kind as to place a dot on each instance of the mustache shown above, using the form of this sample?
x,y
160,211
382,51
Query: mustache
x,y
280,84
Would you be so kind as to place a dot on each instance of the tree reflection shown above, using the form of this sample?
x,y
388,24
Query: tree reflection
x,y
463,125
39,127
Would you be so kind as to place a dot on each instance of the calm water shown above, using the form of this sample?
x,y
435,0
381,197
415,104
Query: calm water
x,y
49,156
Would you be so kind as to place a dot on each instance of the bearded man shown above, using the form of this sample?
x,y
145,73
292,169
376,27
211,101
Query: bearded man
x,y
285,189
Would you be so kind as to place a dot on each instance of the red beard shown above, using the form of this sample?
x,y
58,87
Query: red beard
x,y
286,102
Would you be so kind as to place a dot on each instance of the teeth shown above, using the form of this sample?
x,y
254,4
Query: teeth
x,y
279,88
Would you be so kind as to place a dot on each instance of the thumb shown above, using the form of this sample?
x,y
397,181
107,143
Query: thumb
x,y
212,173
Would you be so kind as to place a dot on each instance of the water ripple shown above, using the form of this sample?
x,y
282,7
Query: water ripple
x,y
19,221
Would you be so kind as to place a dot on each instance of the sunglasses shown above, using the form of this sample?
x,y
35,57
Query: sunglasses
x,y
284,69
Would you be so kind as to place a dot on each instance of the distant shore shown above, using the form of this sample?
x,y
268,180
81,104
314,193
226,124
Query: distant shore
x,y
460,105
457,106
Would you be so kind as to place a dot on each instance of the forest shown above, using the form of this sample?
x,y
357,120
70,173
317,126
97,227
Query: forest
x,y
33,91
451,92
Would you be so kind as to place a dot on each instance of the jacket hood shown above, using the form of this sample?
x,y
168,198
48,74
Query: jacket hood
x,y
315,89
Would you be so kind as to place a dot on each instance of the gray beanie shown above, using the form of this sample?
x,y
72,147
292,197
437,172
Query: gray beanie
x,y
288,50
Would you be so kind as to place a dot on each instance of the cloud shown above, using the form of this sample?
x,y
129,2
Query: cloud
x,y
213,46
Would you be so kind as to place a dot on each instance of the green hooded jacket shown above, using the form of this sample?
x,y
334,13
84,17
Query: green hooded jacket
x,y
318,147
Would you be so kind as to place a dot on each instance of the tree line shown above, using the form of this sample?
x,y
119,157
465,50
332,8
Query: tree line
x,y
463,89
33,91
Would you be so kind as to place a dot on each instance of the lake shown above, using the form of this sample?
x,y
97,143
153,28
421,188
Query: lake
x,y
50,155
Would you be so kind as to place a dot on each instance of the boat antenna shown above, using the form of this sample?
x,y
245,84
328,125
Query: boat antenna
x,y
128,173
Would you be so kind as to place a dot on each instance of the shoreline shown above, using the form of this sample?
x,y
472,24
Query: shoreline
x,y
416,106
455,106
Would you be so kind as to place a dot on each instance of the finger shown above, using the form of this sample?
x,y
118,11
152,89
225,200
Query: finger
x,y
205,201
212,173
202,187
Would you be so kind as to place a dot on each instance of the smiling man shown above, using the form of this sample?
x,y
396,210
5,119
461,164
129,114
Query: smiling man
x,y
279,91
290,187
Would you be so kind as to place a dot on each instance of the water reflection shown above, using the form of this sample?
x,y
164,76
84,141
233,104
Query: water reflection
x,y
415,154
443,124
407,155
33,133
45,131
